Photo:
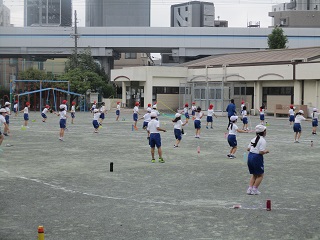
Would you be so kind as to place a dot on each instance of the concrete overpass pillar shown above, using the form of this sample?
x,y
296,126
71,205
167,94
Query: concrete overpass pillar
x,y
107,63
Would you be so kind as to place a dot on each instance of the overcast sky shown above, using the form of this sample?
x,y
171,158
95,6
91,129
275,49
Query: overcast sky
x,y
237,12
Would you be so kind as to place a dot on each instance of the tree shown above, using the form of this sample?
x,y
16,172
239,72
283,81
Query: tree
x,y
277,40
33,74
85,73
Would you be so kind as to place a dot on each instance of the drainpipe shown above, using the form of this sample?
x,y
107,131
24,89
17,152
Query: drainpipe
x,y
317,94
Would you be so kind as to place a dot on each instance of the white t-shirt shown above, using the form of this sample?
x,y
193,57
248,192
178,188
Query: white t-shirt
x,y
15,106
315,115
2,120
193,107
103,109
210,112
96,116
261,145
118,106
45,110
234,129
63,114
198,115
26,110
242,105
94,106
73,108
147,117
299,118
244,113
291,112
153,125
177,125
185,110
262,111
8,110
136,109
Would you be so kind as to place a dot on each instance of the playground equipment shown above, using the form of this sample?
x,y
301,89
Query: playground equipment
x,y
48,90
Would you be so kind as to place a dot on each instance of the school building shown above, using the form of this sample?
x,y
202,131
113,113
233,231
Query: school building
x,y
274,78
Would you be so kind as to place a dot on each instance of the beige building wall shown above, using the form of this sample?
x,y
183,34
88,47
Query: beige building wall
x,y
258,76
125,60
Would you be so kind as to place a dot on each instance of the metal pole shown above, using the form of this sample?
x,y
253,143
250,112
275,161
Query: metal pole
x,y
40,107
207,91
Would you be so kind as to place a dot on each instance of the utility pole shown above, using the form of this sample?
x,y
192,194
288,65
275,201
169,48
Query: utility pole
x,y
75,36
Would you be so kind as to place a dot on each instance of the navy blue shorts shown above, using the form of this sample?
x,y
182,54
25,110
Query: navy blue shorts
x,y
197,124
262,117
26,116
95,124
245,120
232,140
63,123
177,134
7,119
209,119
255,163
145,124
155,140
291,118
297,127
43,115
14,110
117,112
73,115
135,117
187,115
102,115
193,113
315,123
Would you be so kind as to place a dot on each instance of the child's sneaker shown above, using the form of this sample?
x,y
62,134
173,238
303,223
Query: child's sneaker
x,y
232,157
175,146
255,192
249,191
229,155
206,127
153,160
161,160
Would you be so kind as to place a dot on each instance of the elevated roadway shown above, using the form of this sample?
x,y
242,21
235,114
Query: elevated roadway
x,y
107,42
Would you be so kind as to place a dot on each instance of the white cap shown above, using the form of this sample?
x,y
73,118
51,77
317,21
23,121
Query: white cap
x,y
177,115
154,106
233,118
148,109
301,111
260,128
2,110
153,114
7,103
96,110
315,109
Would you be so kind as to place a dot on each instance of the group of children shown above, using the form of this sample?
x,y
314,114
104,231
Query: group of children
x,y
296,119
256,148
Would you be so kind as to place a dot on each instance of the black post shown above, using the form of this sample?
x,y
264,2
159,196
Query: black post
x,y
111,167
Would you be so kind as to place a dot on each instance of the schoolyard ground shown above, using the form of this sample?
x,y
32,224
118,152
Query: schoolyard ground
x,y
68,188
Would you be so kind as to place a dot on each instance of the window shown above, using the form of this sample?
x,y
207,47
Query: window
x,y
131,55
165,90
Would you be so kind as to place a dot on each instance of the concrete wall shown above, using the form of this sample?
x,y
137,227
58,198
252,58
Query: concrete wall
x,y
257,76
168,102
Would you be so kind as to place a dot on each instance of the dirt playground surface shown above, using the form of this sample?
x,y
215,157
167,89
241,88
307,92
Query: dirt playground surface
x,y
68,188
